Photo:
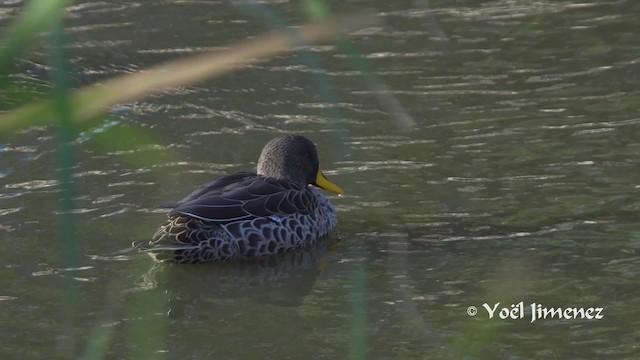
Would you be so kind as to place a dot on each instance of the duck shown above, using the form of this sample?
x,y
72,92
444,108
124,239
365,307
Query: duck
x,y
278,208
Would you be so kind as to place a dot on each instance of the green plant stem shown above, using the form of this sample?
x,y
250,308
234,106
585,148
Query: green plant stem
x,y
38,15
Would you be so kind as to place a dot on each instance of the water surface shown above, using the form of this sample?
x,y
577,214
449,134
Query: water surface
x,y
518,183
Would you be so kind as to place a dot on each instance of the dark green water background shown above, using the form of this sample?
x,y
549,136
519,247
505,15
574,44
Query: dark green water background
x,y
519,183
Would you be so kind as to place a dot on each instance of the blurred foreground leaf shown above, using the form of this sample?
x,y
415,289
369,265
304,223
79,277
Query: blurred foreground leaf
x,y
37,16
89,103
319,10
132,145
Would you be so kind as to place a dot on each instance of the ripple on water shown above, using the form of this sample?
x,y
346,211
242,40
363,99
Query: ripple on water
x,y
33,185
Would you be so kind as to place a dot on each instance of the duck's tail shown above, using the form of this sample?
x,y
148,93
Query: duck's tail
x,y
165,253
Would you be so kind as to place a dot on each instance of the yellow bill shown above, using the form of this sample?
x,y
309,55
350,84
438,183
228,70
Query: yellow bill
x,y
323,183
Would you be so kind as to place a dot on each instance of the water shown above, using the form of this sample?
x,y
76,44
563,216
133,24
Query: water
x,y
518,184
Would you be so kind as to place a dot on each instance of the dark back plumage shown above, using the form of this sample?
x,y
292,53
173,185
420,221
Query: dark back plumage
x,y
243,196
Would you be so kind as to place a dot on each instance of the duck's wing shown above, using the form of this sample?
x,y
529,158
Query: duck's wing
x,y
245,196
217,186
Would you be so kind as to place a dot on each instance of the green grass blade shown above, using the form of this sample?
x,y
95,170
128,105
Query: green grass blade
x,y
37,16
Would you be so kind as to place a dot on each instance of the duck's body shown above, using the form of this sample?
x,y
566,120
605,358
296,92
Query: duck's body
x,y
251,214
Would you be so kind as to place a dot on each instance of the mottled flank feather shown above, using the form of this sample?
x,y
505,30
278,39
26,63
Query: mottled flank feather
x,y
244,215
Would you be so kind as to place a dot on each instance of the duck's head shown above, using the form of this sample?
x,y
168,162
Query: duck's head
x,y
294,157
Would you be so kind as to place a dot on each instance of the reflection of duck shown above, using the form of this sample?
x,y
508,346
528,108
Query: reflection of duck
x,y
251,214
282,279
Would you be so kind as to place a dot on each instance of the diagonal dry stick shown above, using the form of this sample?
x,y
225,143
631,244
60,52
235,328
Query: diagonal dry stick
x,y
89,103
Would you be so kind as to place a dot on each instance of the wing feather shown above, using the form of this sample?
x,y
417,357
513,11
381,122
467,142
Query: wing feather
x,y
243,196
